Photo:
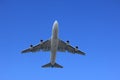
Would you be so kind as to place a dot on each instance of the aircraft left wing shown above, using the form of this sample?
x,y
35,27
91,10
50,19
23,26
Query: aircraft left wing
x,y
44,46
63,46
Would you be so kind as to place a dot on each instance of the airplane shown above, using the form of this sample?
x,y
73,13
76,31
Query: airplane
x,y
53,45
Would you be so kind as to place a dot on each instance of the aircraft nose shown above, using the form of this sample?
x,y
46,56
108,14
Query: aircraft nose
x,y
55,24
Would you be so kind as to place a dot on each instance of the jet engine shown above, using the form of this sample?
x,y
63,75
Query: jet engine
x,y
76,48
67,42
31,46
41,41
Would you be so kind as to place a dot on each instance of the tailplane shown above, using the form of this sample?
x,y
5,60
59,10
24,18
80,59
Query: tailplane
x,y
50,65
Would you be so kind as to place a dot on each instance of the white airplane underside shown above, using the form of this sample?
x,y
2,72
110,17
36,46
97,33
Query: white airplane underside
x,y
53,45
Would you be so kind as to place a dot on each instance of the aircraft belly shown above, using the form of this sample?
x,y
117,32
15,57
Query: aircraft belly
x,y
54,45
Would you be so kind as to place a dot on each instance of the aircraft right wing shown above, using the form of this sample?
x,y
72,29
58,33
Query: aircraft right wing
x,y
44,46
63,46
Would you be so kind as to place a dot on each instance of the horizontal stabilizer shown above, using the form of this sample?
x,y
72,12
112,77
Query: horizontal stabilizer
x,y
50,65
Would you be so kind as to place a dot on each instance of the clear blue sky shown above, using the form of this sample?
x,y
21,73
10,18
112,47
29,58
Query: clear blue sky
x,y
93,25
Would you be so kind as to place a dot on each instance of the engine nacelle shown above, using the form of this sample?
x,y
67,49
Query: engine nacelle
x,y
41,41
67,42
31,46
76,48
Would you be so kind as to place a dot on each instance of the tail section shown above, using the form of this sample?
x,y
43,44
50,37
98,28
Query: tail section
x,y
50,65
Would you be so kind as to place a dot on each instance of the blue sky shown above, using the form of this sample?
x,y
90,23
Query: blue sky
x,y
93,25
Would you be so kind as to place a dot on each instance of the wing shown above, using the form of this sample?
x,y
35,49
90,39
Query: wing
x,y
44,46
63,46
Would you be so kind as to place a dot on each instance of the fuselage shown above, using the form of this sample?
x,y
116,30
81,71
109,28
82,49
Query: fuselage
x,y
54,42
